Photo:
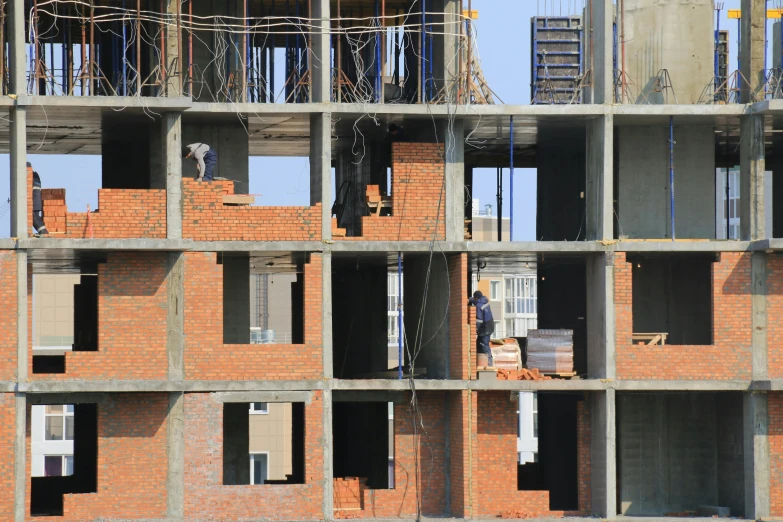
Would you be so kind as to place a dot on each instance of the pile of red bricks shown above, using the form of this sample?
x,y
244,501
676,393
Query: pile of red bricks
x,y
522,375
206,218
348,493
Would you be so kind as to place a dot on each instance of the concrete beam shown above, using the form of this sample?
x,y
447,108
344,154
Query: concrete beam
x,y
758,277
600,181
264,396
320,71
600,316
19,188
752,50
604,463
17,63
756,452
175,451
175,319
397,397
321,169
171,134
454,140
752,217
68,398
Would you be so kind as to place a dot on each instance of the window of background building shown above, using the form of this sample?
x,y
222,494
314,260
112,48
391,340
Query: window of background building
x,y
58,465
58,420
259,468
520,307
393,298
259,408
494,290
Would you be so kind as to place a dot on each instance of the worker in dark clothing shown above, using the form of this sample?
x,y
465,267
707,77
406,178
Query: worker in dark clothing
x,y
396,133
205,159
485,323
38,222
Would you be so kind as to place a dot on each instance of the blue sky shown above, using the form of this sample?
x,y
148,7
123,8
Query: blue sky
x,y
504,47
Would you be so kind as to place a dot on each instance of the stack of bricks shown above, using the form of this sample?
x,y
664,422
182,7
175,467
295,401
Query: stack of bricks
x,y
206,218
729,356
418,207
206,357
121,214
348,493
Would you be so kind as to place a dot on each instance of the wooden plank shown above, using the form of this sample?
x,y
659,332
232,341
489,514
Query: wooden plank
x,y
238,199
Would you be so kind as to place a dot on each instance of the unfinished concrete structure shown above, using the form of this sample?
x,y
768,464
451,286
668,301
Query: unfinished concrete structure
x,y
163,368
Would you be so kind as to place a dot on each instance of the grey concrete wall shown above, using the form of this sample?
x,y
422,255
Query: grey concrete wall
x,y
668,452
731,459
561,171
643,194
432,312
236,299
676,35
230,142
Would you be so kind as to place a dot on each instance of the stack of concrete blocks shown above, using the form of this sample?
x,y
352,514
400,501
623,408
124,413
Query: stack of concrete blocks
x,y
550,351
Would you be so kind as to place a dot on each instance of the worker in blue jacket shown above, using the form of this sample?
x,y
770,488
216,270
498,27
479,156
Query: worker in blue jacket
x,y
485,323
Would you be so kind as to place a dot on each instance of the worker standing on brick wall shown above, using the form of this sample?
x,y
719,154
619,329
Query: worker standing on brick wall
x,y
38,222
485,323
205,159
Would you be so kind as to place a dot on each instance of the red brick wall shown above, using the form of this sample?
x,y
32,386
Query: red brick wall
x,y
121,214
418,171
428,447
7,438
774,313
132,313
132,462
206,218
459,329
495,474
206,498
775,412
728,357
8,325
206,357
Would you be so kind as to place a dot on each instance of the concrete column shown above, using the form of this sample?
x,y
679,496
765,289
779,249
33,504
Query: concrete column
x,y
171,130
600,316
599,44
175,449
758,276
326,343
16,46
174,52
600,182
752,219
446,58
20,458
321,168
21,316
175,331
19,188
328,445
756,451
752,44
604,463
321,63
454,139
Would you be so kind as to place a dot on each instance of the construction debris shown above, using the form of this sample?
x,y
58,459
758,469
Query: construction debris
x,y
522,374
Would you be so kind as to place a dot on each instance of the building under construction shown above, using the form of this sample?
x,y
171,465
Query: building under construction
x,y
194,351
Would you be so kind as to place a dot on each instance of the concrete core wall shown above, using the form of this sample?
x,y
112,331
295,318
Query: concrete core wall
x,y
676,35
678,451
644,202
561,171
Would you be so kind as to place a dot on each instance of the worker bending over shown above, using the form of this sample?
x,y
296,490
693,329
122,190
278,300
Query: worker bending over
x,y
485,323
204,157
38,222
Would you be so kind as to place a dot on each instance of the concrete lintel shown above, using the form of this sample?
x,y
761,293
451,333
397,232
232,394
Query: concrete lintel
x,y
659,385
172,245
7,386
249,109
67,398
155,103
667,245
397,397
349,110
623,113
264,396
164,386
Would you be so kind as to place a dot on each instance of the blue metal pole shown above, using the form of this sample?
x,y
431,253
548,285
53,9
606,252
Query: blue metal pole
x,y
671,170
739,41
399,315
423,49
511,180
377,56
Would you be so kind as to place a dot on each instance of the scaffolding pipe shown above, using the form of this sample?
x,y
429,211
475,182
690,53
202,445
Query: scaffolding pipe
x,y
377,55
421,54
309,54
671,171
92,45
36,47
500,202
124,66
163,64
271,61
399,315
511,180
246,47
622,51
138,47
180,60
339,53
467,76
383,49
728,201
84,54
717,59
190,48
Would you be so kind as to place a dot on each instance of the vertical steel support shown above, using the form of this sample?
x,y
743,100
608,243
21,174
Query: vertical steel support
x,y
511,179
399,315
671,171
